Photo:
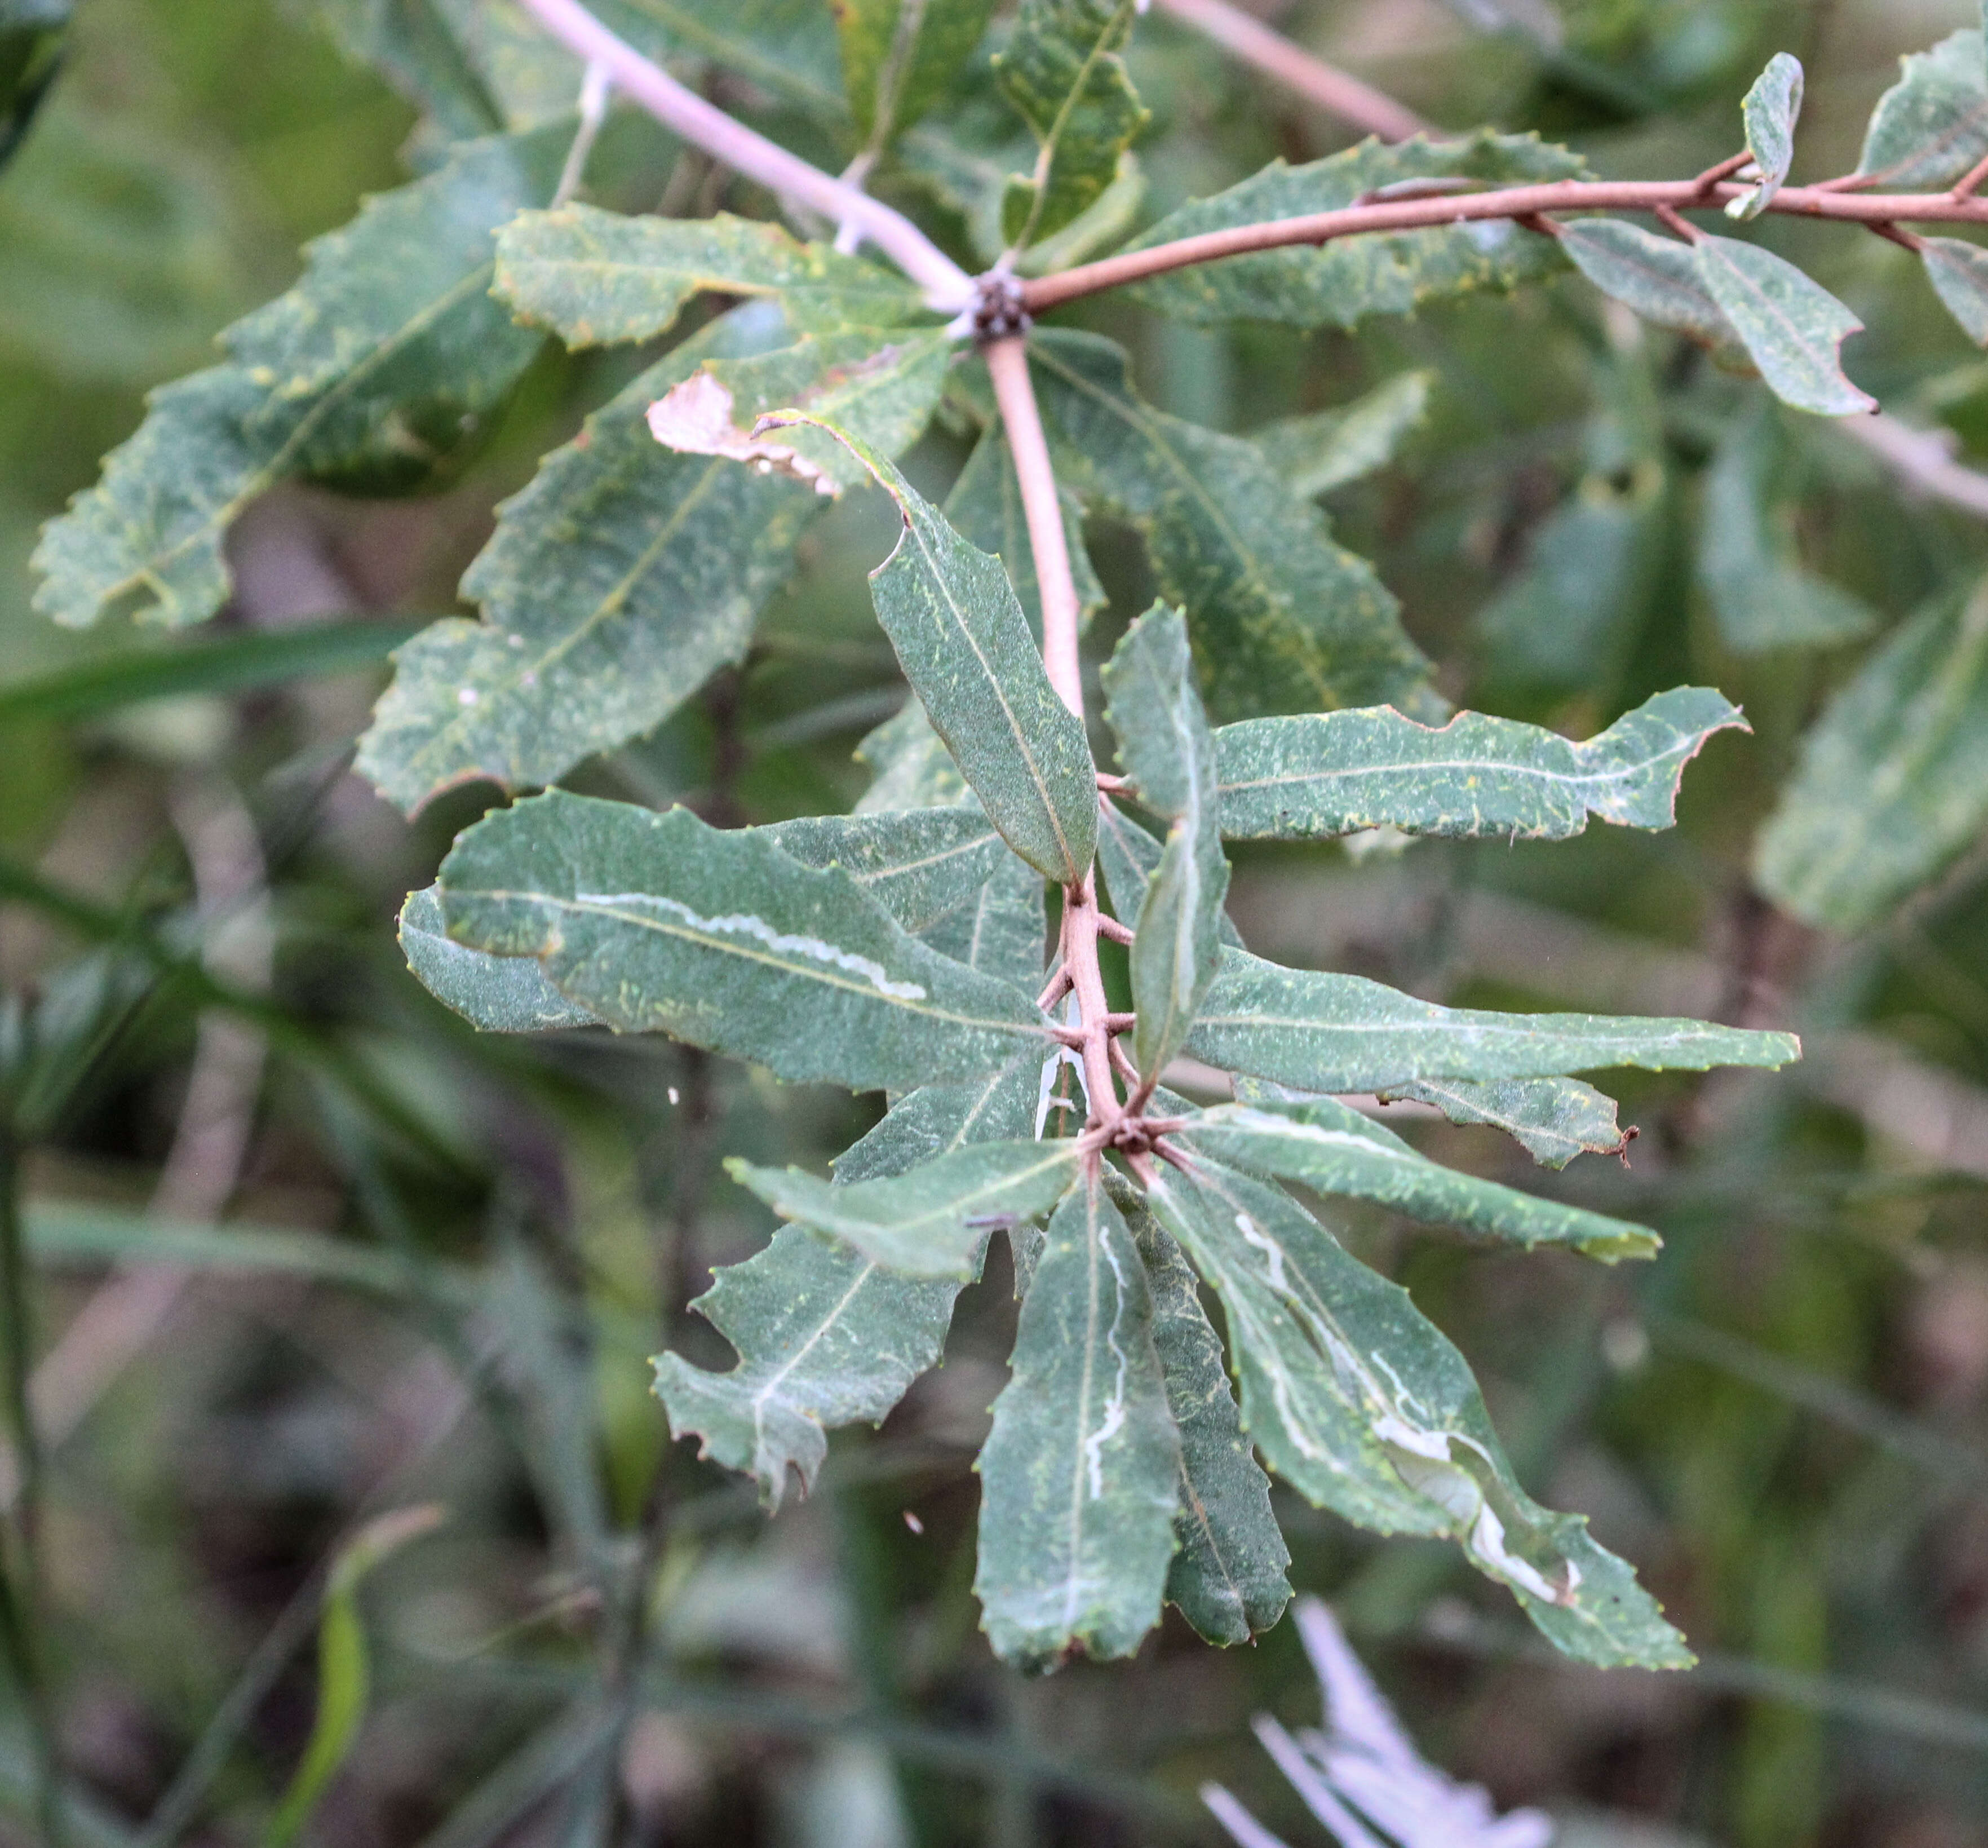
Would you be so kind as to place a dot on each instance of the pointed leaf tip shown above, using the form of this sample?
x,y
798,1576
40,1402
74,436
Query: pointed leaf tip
x,y
1770,113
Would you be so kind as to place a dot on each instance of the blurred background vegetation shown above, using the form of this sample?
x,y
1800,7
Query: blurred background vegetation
x,y
350,1519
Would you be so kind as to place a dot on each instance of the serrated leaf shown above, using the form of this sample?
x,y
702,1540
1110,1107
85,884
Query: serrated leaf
x,y
1332,1149
899,57
1228,1577
599,277
920,864
1080,1475
1169,753
1330,1033
1554,1119
1313,454
879,386
984,507
1570,615
824,1336
1061,70
1959,273
1323,774
1770,111
1930,127
911,765
1282,618
1657,277
1790,326
656,922
1892,781
1339,284
1762,594
373,368
931,1221
965,646
615,585
499,994
1127,858
1361,1404
1000,929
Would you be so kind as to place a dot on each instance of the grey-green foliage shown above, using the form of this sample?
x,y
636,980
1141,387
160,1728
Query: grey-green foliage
x,y
1339,1033
1281,617
932,1221
1332,1149
1313,454
1062,71
899,57
1931,126
1363,1406
1791,325
1080,1475
1315,776
614,586
1893,779
1168,752
1339,284
1959,273
500,994
1658,277
371,369
921,864
984,509
1553,1119
658,923
1768,112
1762,594
599,277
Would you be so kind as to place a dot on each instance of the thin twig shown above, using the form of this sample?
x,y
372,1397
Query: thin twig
x,y
596,90
1043,292
1332,90
947,286
1964,187
1924,459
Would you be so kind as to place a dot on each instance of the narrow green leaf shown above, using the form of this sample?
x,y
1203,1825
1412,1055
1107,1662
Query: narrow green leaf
x,y
984,507
932,1221
1931,126
1332,1149
1553,1119
1062,71
1311,455
1168,752
499,994
615,585
1362,1405
1339,284
598,277
1657,277
1127,858
344,1672
1228,1576
1790,326
880,386
1282,619
965,646
825,1336
1329,773
221,664
1959,273
658,922
1762,594
1080,1476
1340,1032
899,57
1770,111
911,765
374,370
920,864
1892,781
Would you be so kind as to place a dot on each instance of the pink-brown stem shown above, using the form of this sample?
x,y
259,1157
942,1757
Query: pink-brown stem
x,y
704,125
1044,293
1332,90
